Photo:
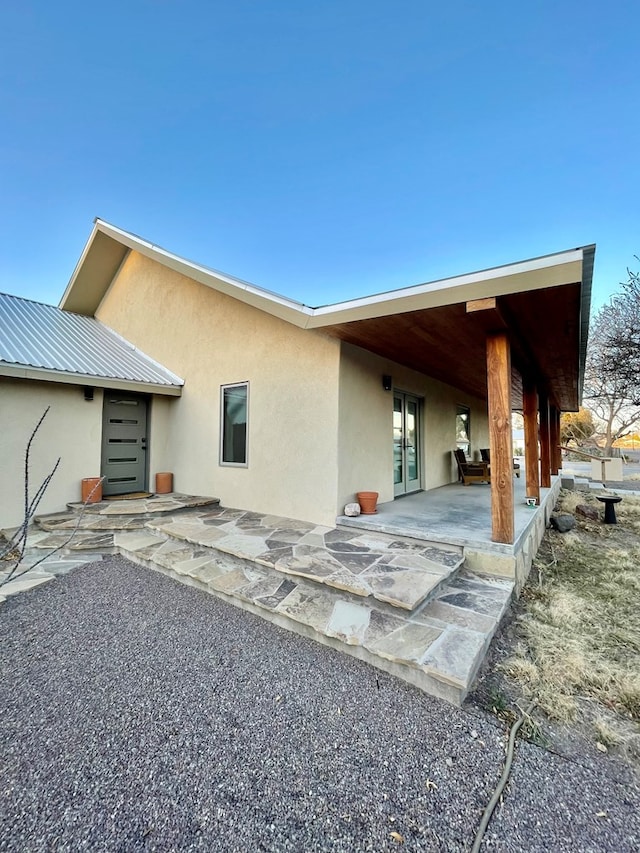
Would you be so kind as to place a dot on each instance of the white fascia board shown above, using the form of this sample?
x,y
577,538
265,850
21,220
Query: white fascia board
x,y
79,265
539,272
287,309
546,271
43,374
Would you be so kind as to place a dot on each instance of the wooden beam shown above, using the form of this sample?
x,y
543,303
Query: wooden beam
x,y
530,412
554,438
545,443
493,315
481,304
500,442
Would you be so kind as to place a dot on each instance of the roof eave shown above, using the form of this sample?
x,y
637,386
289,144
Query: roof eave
x,y
548,271
588,260
85,292
44,374
91,280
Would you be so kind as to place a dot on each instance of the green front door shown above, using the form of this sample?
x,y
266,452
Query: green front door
x,y
406,443
124,443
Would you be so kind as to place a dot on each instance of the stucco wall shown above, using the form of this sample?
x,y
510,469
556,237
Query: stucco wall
x,y
210,339
71,430
366,413
159,436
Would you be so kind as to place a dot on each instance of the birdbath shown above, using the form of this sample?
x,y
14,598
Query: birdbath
x,y
609,502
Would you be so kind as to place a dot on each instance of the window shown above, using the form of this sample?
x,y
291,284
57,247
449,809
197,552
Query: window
x,y
463,428
234,402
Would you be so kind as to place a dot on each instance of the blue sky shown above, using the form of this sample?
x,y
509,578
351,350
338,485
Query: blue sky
x,y
321,150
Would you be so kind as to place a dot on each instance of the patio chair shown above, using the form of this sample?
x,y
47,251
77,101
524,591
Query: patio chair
x,y
471,472
484,452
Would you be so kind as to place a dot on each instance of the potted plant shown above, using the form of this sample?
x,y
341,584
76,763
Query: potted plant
x,y
368,502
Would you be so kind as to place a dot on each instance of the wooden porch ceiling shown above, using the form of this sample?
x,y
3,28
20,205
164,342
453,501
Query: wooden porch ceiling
x,y
449,344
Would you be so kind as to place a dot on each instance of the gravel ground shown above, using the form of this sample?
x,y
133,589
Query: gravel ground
x,y
140,714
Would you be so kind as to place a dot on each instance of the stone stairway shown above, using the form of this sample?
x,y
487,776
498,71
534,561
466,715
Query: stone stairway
x,y
94,526
405,606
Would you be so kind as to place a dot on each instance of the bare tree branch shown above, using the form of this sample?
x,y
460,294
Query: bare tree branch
x,y
612,375
16,545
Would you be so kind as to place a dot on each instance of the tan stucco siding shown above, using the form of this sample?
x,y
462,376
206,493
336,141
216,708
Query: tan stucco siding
x,y
210,339
159,436
366,421
71,431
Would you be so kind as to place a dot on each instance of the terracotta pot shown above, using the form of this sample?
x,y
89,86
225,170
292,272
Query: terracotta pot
x,y
164,483
367,501
91,490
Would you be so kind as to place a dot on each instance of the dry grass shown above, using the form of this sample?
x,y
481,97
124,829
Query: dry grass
x,y
570,500
580,633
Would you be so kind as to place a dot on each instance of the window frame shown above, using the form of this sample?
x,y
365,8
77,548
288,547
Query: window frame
x,y
221,461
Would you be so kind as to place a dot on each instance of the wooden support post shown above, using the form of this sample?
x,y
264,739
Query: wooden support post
x,y
558,448
545,444
500,441
530,412
554,438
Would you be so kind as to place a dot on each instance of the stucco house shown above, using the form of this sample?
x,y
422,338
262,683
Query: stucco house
x,y
155,363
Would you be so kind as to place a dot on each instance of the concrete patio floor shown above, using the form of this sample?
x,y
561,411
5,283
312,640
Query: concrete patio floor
x,y
455,514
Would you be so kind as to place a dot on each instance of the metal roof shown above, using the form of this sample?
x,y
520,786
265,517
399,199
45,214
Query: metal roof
x,y
34,335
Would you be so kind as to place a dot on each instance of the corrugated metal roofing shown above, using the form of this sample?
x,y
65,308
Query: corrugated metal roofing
x,y
42,336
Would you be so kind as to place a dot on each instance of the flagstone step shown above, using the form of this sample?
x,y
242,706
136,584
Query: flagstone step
x,y
403,605
68,521
438,646
146,507
93,525
33,570
387,568
87,540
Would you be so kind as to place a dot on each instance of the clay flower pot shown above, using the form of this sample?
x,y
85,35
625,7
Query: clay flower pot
x,y
91,490
164,483
367,501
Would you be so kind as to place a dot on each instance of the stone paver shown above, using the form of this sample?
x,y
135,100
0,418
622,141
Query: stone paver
x,y
418,644
28,575
24,582
405,606
394,571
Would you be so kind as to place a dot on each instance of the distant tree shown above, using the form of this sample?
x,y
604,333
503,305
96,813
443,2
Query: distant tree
x,y
622,339
612,373
577,427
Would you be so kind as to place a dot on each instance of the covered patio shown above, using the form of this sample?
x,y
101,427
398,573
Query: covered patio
x,y
461,515
512,336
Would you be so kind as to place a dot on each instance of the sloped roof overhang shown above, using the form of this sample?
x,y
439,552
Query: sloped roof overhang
x,y
426,326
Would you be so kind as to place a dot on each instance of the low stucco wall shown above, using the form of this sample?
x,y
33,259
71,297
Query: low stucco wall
x,y
210,340
365,443
515,561
71,431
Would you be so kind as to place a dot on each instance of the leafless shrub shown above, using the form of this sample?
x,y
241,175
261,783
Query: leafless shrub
x,y
12,551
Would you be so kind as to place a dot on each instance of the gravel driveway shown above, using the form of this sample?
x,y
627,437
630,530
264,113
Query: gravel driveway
x,y
140,714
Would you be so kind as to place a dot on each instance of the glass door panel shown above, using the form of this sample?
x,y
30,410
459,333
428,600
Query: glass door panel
x,y
411,439
398,440
406,443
